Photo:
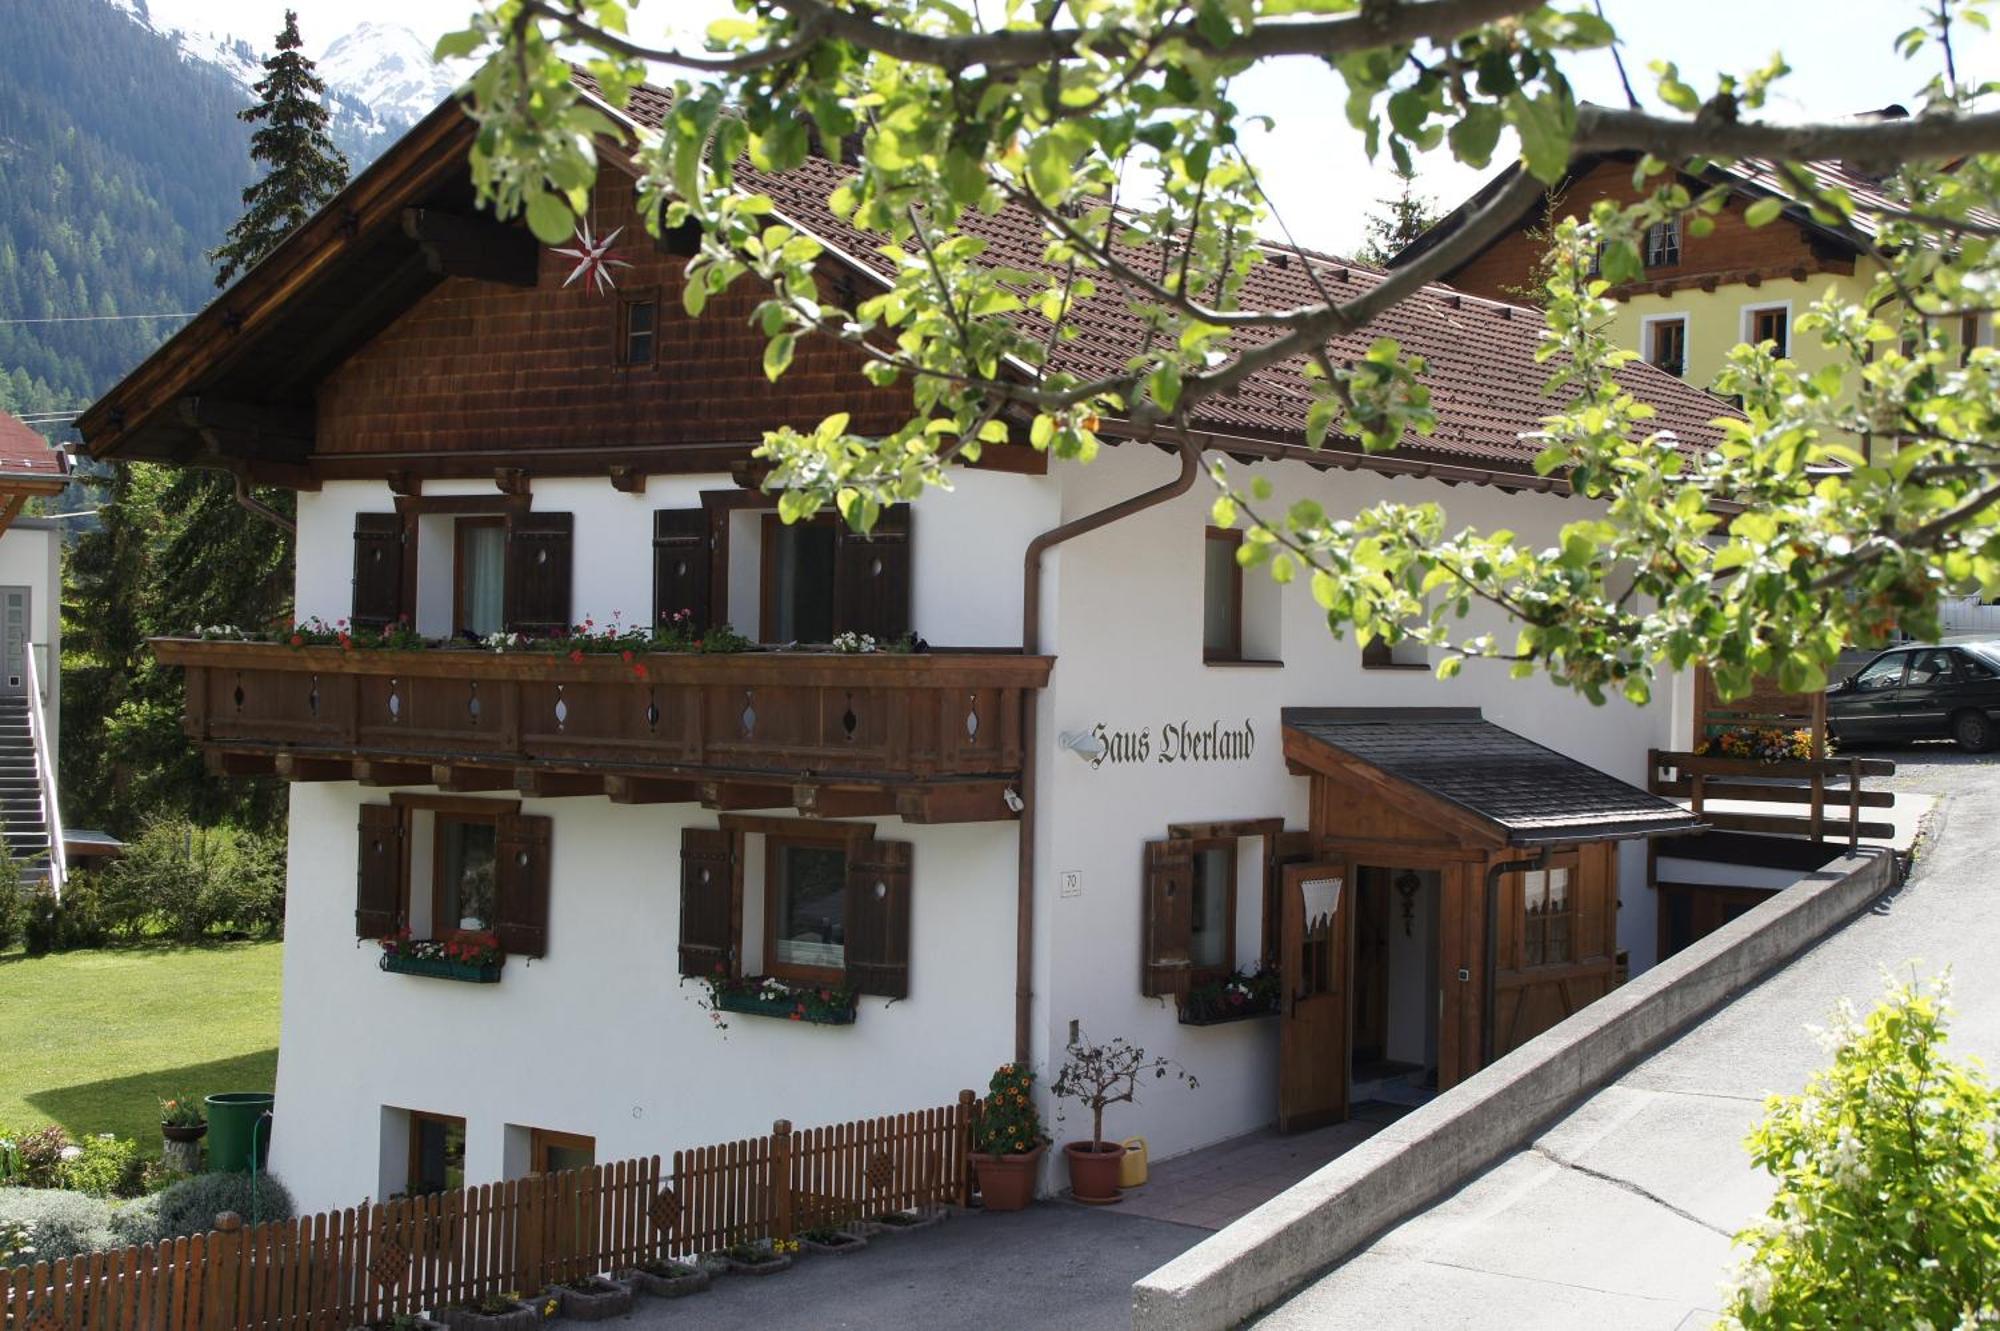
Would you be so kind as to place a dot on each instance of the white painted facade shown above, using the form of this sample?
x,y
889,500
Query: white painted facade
x,y
31,558
601,1038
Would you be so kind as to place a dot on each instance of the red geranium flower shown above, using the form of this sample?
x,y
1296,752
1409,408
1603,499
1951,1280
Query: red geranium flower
x,y
640,670
298,640
576,655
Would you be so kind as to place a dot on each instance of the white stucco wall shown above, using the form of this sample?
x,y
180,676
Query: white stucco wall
x,y
1123,618
31,557
965,589
600,1037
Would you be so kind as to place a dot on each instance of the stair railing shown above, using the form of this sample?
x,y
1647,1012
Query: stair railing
x,y
45,778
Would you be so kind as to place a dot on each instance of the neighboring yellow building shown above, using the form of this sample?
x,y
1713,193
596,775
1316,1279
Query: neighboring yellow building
x,y
1701,295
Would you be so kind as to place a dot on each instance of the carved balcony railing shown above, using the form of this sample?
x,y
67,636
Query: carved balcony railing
x,y
934,737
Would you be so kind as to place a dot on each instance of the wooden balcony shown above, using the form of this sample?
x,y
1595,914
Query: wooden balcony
x,y
934,737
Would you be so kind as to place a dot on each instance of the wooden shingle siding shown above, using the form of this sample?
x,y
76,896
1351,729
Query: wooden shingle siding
x,y
1508,264
476,366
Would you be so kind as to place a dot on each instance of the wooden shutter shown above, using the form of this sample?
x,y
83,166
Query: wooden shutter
x,y
878,918
1167,949
378,570
521,885
871,577
378,888
538,572
680,565
711,907
1285,848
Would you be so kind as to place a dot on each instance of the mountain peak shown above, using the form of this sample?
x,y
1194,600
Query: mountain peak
x,y
387,68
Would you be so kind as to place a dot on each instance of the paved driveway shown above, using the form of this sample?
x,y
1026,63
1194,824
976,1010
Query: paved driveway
x,y
1620,1215
1055,1264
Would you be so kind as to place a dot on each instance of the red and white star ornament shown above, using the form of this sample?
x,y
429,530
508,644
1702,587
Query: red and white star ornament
x,y
593,259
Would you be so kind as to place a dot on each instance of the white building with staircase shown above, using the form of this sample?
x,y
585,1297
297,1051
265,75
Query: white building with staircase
x,y
30,652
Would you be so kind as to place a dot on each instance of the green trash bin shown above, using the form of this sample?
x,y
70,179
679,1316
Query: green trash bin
x,y
239,1124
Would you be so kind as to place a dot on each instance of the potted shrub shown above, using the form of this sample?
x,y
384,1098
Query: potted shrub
x,y
1096,1075
1007,1141
667,1279
183,1126
593,1298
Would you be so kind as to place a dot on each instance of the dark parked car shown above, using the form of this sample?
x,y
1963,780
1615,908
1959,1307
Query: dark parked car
x,y
1922,692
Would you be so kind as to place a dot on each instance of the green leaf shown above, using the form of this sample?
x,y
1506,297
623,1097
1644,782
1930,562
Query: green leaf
x,y
777,356
458,45
1546,125
1476,134
1763,212
550,218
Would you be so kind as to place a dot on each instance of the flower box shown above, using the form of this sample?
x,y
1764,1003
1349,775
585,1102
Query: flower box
x,y
510,1315
1211,1017
788,1009
594,1299
438,968
667,1280
761,1262
834,1243
898,1222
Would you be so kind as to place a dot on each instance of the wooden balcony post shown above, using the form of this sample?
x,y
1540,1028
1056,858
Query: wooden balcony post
x,y
1818,803
781,1180
1853,803
223,1274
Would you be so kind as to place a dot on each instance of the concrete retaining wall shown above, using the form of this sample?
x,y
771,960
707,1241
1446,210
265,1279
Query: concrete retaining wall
x,y
1316,1224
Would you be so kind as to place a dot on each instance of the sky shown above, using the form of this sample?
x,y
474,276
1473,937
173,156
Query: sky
x,y
1312,164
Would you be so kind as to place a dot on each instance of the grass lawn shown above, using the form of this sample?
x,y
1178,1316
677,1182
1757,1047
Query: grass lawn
x,y
91,1040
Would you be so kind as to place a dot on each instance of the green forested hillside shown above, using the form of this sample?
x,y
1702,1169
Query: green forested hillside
x,y
120,166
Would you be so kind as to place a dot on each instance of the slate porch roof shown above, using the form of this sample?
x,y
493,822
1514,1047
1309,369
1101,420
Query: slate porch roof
x,y
1534,794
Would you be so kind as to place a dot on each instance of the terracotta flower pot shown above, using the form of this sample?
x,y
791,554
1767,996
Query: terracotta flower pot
x,y
1093,1170
1007,1182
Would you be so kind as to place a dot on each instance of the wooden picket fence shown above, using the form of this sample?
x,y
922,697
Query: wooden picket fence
x,y
368,1263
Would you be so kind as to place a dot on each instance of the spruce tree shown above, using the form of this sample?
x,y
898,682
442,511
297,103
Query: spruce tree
x,y
304,169
1409,215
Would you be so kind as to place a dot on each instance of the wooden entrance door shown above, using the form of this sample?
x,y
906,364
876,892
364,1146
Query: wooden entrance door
x,y
1317,974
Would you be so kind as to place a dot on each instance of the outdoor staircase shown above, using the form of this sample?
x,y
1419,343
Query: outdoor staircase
x,y
23,821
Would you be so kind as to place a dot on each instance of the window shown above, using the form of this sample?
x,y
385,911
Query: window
x,y
1772,324
479,601
1972,667
554,1152
437,1154
1666,344
1549,911
1930,667
798,578
1884,672
1968,337
805,909
1663,243
462,886
1222,596
638,330
836,903
1212,922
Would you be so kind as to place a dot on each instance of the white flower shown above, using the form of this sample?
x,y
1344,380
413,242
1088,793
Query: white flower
x,y
71,1153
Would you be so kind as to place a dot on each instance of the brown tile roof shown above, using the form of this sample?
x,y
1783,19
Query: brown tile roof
x,y
1534,794
25,452
1486,386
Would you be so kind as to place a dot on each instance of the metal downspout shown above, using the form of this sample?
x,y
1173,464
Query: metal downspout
x,y
1031,636
1490,981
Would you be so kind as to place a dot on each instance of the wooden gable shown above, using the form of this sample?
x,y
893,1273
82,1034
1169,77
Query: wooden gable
x,y
1354,802
482,369
1733,252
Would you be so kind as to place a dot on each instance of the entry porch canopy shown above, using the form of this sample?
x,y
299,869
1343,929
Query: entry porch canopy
x,y
1486,783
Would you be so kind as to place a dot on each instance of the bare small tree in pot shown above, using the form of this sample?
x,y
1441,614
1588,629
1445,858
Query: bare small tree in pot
x,y
1096,1075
